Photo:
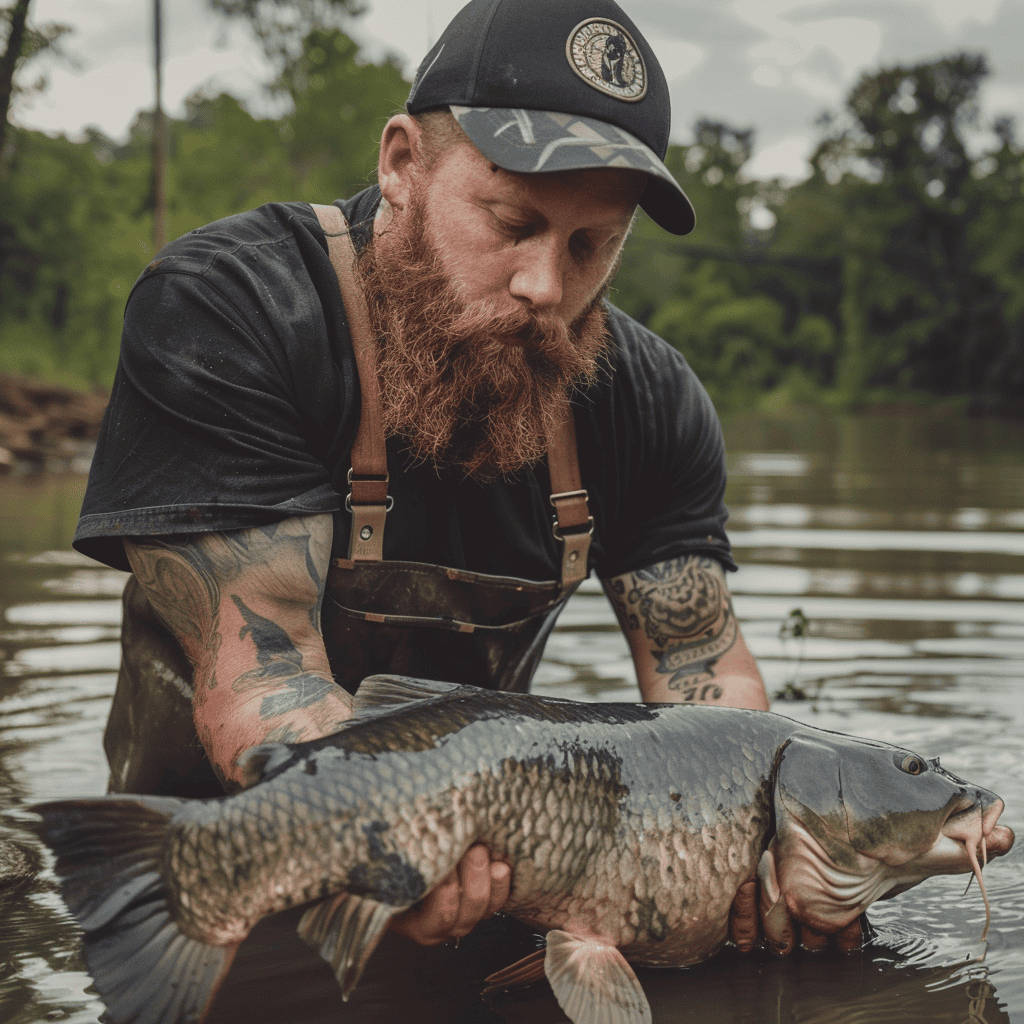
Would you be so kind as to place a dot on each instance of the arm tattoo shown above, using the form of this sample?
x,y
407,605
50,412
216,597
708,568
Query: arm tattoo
x,y
280,662
187,576
683,608
184,589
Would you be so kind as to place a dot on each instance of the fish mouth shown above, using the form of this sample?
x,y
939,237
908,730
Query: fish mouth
x,y
975,824
975,827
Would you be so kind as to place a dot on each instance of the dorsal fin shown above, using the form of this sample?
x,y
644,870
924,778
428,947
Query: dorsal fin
x,y
377,694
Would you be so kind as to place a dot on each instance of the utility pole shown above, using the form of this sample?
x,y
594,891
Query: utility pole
x,y
159,138
19,14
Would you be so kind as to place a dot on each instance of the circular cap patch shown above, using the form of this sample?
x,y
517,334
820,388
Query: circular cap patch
x,y
604,55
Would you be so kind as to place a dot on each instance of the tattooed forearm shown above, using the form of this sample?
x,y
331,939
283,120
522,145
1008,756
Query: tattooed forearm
x,y
264,643
683,610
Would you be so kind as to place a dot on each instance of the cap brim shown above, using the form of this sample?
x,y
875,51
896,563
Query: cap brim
x,y
539,141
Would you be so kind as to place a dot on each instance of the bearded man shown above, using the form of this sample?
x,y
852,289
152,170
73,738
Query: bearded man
x,y
312,484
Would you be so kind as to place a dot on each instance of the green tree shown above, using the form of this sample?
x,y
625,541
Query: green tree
x,y
282,25
24,43
76,217
918,309
341,104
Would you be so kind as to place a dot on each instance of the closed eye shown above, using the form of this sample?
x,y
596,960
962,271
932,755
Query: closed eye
x,y
517,232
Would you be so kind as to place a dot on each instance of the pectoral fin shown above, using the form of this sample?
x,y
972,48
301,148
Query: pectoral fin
x,y
345,930
775,919
592,981
522,972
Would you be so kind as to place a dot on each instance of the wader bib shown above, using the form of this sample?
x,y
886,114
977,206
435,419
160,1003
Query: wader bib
x,y
408,618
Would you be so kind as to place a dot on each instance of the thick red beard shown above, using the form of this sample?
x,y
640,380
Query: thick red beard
x,y
465,386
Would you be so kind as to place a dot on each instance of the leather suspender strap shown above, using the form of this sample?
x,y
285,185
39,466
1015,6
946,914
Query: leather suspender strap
x,y
368,499
572,523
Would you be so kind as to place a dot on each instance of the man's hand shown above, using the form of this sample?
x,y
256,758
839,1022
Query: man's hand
x,y
745,928
475,889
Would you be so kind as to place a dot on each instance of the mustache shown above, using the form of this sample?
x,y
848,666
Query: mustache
x,y
426,298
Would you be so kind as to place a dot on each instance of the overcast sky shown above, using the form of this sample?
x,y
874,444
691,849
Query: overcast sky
x,y
770,64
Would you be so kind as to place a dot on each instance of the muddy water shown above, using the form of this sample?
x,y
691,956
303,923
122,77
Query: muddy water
x,y
901,541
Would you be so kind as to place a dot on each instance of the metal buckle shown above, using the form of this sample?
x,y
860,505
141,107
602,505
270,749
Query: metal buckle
x,y
369,476
567,494
555,498
388,505
558,536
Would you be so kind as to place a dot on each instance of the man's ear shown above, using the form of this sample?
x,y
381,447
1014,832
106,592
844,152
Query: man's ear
x,y
399,160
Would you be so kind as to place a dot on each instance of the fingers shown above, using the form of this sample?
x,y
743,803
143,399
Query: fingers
x,y
813,940
501,883
475,889
743,921
755,915
475,879
853,935
430,921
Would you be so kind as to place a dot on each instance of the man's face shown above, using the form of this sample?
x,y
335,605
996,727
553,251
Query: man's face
x,y
547,243
484,292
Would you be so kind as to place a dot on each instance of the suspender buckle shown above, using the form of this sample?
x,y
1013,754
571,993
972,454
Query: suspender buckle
x,y
572,516
366,489
368,502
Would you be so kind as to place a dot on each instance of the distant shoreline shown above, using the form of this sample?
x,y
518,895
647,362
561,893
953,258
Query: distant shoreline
x,y
45,425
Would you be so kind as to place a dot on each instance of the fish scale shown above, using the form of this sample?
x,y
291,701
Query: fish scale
x,y
629,830
520,807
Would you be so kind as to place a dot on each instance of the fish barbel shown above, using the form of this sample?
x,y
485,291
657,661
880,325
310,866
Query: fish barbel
x,y
629,829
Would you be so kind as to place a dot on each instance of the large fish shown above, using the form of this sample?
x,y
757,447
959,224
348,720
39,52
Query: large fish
x,y
629,829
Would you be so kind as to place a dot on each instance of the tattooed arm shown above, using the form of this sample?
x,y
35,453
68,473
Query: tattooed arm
x,y
245,607
678,621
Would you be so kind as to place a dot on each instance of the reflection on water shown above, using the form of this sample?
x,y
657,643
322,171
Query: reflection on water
x,y
902,541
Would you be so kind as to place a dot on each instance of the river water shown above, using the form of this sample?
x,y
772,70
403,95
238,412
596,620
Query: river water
x,y
900,539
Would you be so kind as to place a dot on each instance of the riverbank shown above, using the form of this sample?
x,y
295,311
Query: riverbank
x,y
45,425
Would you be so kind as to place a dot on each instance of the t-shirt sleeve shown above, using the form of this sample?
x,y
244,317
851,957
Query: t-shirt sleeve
x,y
662,453
226,406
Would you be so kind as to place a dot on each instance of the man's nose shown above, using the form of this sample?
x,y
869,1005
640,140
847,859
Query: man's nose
x,y
539,275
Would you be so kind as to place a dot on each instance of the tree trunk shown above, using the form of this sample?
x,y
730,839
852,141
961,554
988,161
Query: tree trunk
x,y
7,64
159,137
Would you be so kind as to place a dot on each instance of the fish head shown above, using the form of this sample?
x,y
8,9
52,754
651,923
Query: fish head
x,y
859,820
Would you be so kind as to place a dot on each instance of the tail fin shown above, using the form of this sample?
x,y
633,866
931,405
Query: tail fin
x,y
108,860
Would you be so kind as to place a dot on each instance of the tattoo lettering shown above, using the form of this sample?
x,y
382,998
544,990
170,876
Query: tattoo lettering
x,y
683,608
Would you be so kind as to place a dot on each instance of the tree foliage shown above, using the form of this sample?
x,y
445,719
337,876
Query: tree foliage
x,y
896,267
281,26
23,43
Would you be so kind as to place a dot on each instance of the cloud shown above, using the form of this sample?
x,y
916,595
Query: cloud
x,y
953,15
786,158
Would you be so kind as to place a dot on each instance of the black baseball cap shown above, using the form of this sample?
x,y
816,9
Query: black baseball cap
x,y
555,85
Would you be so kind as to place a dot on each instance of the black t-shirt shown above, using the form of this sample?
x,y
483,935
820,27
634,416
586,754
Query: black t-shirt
x,y
236,402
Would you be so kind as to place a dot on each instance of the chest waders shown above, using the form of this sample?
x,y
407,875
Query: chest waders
x,y
408,618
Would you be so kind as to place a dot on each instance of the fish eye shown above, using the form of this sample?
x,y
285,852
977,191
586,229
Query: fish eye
x,y
910,763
